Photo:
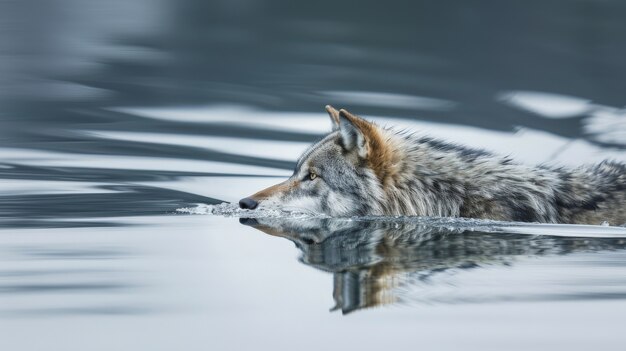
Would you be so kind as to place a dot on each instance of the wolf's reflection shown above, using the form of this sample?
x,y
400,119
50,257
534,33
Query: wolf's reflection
x,y
370,259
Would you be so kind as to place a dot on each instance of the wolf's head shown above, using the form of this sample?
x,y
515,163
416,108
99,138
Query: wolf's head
x,y
341,175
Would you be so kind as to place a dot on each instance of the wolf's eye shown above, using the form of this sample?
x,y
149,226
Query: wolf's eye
x,y
312,175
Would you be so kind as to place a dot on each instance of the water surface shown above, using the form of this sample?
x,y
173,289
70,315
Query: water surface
x,y
115,115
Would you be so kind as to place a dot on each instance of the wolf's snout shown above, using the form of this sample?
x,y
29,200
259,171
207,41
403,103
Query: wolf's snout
x,y
248,203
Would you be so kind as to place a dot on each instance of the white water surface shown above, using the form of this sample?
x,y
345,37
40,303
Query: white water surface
x,y
602,230
114,114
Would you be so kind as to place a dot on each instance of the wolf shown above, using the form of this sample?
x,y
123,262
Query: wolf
x,y
362,169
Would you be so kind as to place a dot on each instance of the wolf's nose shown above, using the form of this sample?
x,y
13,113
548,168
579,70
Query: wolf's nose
x,y
248,203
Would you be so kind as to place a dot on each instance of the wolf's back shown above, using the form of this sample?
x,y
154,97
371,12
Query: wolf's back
x,y
593,194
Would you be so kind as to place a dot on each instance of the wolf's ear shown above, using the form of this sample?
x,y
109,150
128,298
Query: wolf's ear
x,y
334,116
352,130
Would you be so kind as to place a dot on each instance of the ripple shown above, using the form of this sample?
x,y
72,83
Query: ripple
x,y
452,224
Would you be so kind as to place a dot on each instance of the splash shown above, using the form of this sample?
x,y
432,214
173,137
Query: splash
x,y
602,230
232,210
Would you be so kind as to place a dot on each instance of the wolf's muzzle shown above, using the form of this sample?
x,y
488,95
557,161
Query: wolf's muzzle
x,y
248,203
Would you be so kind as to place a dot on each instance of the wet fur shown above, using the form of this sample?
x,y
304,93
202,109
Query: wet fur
x,y
365,169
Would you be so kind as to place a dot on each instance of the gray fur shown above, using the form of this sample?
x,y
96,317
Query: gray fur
x,y
435,178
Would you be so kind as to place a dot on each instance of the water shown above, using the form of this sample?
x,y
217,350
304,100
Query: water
x,y
117,116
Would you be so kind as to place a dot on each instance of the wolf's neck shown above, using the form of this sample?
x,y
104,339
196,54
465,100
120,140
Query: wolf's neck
x,y
426,177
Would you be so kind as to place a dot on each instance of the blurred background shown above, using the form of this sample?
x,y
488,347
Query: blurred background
x,y
114,114
143,90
